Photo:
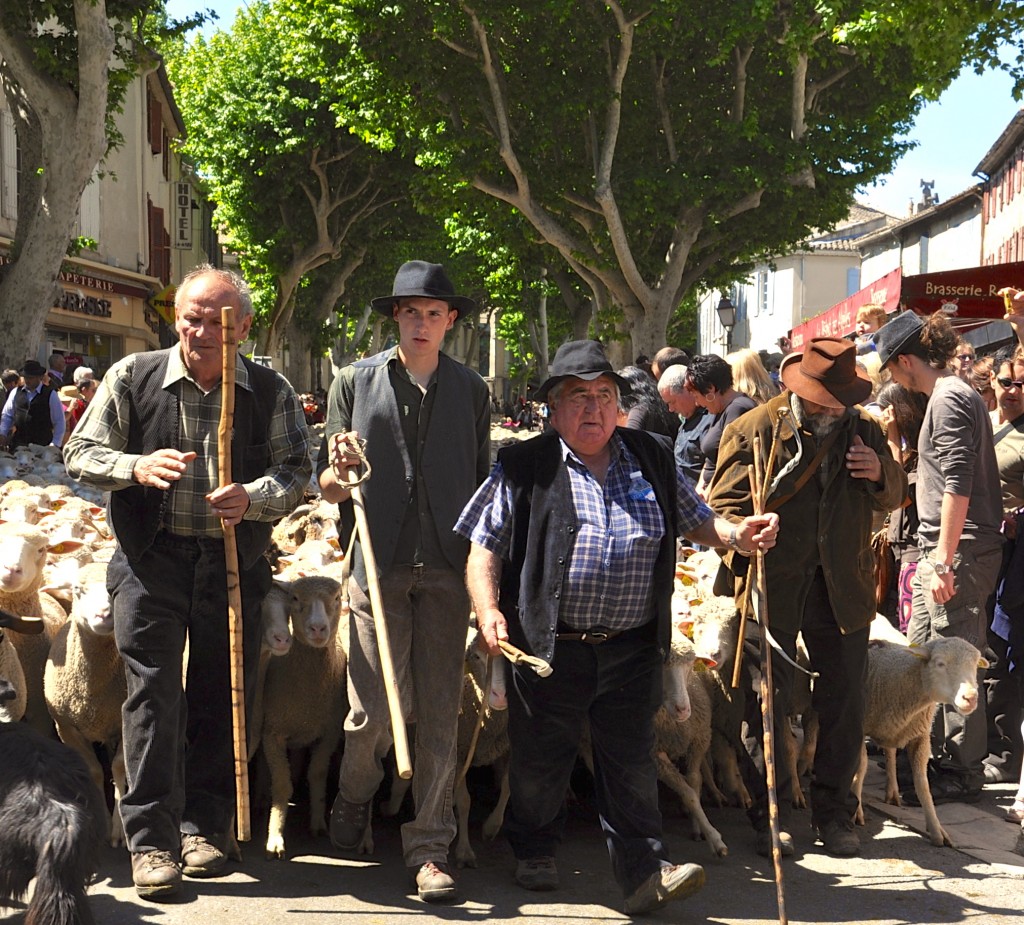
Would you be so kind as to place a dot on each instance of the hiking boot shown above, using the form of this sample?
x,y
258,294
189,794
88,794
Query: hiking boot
x,y
538,874
839,838
156,874
348,823
763,844
435,883
663,886
200,856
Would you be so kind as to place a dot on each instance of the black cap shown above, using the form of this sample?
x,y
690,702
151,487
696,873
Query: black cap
x,y
583,359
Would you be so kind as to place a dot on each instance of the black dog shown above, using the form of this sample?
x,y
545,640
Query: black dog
x,y
52,823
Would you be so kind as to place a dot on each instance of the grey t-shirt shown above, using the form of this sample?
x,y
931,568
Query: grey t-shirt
x,y
956,455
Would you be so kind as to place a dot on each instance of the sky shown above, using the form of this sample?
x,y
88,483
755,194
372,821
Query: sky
x,y
953,134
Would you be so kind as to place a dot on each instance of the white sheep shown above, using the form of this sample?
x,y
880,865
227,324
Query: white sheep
x,y
313,557
23,549
304,701
316,521
85,684
904,686
275,641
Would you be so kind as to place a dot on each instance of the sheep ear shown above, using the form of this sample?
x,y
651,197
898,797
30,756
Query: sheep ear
x,y
65,546
914,648
705,661
983,662
686,628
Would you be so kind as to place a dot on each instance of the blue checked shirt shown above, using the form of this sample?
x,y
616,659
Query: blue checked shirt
x,y
608,582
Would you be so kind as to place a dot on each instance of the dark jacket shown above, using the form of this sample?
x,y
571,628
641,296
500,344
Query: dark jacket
x,y
544,534
826,524
32,423
454,458
137,511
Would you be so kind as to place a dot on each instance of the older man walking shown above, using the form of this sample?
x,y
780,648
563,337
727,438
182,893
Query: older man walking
x,y
574,540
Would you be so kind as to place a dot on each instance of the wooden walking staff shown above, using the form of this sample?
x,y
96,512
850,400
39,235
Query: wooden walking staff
x,y
387,666
227,417
760,599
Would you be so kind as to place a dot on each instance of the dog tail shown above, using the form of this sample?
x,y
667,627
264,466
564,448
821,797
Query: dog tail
x,y
66,861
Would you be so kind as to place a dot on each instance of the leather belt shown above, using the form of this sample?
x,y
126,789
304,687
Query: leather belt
x,y
593,636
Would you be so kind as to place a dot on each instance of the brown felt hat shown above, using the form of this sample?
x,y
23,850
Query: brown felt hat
x,y
826,373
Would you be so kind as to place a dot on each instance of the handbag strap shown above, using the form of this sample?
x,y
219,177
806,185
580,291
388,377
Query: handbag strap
x,y
805,476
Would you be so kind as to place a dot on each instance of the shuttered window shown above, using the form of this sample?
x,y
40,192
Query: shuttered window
x,y
8,166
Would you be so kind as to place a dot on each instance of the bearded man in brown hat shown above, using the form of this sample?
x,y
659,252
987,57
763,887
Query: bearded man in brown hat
x,y
831,471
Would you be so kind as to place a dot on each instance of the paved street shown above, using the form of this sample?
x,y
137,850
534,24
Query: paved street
x,y
899,878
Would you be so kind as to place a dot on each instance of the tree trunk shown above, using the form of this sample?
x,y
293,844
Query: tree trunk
x,y
62,138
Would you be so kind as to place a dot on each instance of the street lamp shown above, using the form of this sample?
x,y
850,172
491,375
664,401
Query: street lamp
x,y
727,317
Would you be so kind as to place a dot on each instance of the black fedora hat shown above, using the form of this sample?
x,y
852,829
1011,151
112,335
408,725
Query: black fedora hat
x,y
419,279
826,373
583,359
33,368
897,336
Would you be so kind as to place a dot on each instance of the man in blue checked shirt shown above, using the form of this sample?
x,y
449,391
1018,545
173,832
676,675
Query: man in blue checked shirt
x,y
573,559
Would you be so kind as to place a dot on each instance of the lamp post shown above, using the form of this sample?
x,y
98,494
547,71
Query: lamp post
x,y
727,317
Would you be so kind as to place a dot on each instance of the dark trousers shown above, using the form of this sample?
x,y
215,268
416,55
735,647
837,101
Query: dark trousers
x,y
838,697
178,745
616,686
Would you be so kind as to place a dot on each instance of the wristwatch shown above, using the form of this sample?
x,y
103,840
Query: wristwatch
x,y
942,569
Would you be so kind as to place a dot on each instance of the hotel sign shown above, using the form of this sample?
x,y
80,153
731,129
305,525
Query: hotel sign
x,y
182,216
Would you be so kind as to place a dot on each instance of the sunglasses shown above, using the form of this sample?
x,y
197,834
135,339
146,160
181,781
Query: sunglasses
x,y
965,356
1010,383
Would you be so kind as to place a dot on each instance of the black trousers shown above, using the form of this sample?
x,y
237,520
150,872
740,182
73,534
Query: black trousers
x,y
617,687
178,744
839,698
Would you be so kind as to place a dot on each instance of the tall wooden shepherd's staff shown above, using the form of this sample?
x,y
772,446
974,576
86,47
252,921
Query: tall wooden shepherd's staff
x,y
227,417
403,763
760,598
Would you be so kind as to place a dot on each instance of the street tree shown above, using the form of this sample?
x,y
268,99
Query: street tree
x,y
659,147
296,190
64,67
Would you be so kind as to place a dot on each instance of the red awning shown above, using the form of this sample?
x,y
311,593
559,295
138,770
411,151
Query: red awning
x,y
969,296
838,321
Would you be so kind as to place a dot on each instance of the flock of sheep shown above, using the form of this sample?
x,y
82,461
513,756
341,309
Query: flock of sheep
x,y
61,674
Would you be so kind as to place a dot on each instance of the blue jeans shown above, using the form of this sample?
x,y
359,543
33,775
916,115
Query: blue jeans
x,y
178,744
617,687
959,743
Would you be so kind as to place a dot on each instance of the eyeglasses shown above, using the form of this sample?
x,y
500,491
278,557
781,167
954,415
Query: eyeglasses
x,y
1010,383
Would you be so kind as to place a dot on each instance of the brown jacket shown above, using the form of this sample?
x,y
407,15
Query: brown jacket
x,y
827,523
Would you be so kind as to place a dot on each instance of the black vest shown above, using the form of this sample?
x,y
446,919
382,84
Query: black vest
x,y
544,526
136,512
32,418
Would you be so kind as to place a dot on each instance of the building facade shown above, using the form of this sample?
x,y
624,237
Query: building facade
x,y
145,223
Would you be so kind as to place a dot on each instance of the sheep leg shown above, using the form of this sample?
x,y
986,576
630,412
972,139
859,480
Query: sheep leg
x,y
276,752
464,854
892,790
917,750
399,788
117,838
669,774
858,785
810,745
317,776
724,755
710,784
71,737
798,800
493,823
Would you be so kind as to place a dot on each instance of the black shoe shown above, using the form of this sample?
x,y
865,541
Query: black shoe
x,y
348,823
948,788
839,839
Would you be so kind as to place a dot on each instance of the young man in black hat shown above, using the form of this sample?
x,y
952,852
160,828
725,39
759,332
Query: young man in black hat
x,y
33,412
426,422
831,472
573,559
959,503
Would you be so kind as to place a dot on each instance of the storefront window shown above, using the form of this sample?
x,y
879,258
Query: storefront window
x,y
98,351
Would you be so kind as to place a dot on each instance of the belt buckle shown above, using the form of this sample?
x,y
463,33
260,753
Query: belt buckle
x,y
596,636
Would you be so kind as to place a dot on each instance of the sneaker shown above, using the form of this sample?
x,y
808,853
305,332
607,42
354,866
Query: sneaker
x,y
538,874
156,874
839,838
763,844
947,788
200,856
995,775
435,883
348,823
1015,813
663,886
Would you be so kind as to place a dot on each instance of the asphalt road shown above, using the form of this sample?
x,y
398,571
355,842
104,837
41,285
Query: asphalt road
x,y
898,878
